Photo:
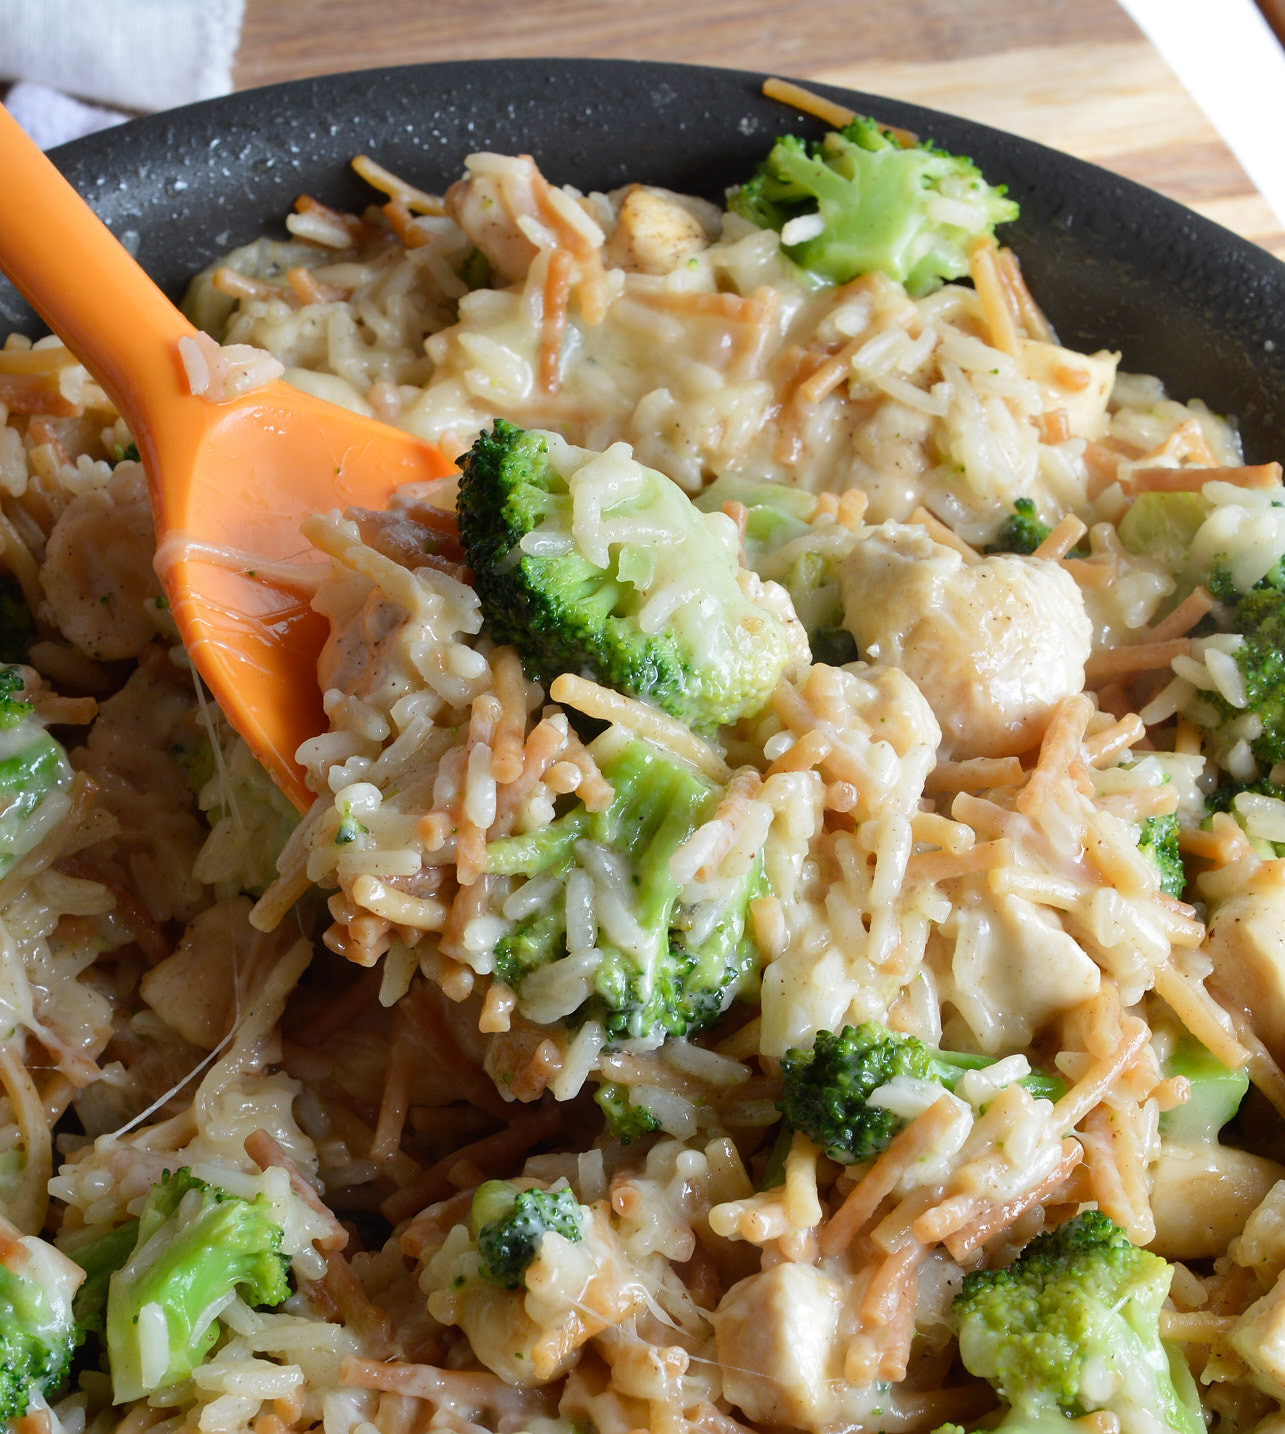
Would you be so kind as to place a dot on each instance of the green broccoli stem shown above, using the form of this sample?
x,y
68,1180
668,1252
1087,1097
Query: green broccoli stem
x,y
658,804
196,1249
774,1170
949,1067
1216,1094
533,853
100,1258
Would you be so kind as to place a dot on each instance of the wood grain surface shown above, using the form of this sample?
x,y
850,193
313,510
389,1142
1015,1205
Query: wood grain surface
x,y
1074,74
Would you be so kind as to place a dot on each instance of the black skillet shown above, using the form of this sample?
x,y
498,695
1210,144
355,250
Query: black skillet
x,y
1113,264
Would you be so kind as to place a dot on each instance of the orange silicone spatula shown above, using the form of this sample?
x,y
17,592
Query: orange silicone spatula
x,y
230,481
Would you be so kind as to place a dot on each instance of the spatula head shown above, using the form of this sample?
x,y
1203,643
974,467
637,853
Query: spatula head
x,y
236,570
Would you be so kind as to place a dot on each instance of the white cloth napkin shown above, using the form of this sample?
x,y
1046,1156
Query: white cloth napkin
x,y
51,117
1234,67
118,55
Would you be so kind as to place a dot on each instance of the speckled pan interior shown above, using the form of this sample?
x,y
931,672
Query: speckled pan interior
x,y
1113,264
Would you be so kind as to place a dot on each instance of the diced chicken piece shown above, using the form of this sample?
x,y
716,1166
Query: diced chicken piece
x,y
1012,967
199,988
1246,942
781,1344
655,232
1079,383
888,705
1202,1195
129,754
1259,1339
97,572
1260,1245
490,207
993,645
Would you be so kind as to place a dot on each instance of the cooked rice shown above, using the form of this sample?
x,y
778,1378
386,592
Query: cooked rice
x,y
169,1005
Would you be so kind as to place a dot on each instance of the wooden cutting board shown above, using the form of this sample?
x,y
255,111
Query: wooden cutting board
x,y
1074,74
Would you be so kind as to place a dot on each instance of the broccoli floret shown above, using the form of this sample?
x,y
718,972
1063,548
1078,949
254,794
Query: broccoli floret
x,y
907,212
1072,1327
602,567
196,1246
1259,616
17,628
38,1333
1164,526
33,768
194,756
13,710
1158,842
1022,531
828,1088
685,963
1216,1093
628,1122
508,1225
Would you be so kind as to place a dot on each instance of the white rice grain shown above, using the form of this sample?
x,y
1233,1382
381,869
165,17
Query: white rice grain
x,y
480,793
675,1113
802,228
553,992
153,1343
1227,677
541,544
1263,816
704,1064
933,402
582,922
531,896
580,1059
1169,700
482,933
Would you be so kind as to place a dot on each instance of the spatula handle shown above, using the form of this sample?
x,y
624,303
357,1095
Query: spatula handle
x,y
73,271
